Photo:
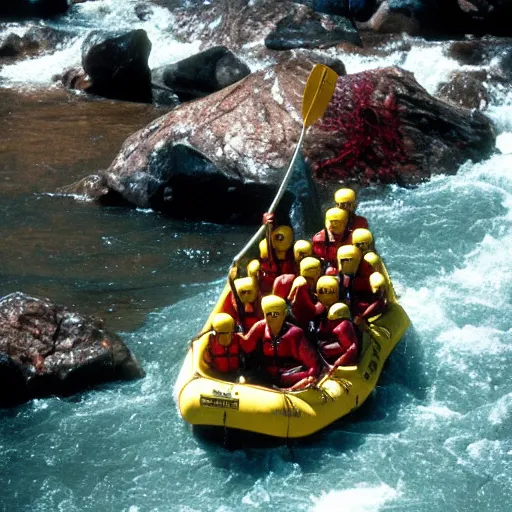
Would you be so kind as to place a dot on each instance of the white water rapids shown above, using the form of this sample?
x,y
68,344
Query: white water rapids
x,y
434,436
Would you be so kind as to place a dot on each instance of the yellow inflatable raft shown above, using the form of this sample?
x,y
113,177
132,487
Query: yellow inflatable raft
x,y
206,398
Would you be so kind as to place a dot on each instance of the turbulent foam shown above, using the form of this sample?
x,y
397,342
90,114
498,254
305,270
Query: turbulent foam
x,y
360,499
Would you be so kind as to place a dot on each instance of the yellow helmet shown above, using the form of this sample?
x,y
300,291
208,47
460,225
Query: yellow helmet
x,y
263,249
345,198
377,282
247,289
310,267
327,290
336,220
224,325
349,257
372,258
362,238
253,269
274,308
302,249
338,311
282,238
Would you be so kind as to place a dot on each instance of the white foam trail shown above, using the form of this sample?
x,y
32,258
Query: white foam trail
x,y
359,499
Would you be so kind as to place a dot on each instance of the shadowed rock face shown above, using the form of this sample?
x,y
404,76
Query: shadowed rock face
x,y
434,137
47,349
225,154
246,133
235,23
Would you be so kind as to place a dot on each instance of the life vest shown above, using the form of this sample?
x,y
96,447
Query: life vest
x,y
224,359
325,247
270,269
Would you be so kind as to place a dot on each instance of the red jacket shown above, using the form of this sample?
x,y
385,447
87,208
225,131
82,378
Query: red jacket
x,y
270,269
356,222
327,249
288,350
252,312
283,285
221,358
305,306
341,341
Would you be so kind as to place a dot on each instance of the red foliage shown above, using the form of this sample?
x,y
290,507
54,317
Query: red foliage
x,y
370,146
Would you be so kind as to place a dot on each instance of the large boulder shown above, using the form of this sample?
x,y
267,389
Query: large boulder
x,y
436,18
306,29
244,24
117,65
37,39
226,153
202,73
50,350
383,127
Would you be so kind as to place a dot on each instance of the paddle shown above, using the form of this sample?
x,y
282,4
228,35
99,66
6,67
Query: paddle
x,y
317,95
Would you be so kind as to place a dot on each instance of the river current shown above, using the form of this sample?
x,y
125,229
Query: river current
x,y
436,433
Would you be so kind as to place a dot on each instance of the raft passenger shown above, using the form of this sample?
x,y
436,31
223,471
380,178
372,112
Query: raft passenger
x,y
338,342
345,198
223,352
288,357
327,241
245,307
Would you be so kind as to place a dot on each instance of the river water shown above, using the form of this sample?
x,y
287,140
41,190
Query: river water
x,y
435,434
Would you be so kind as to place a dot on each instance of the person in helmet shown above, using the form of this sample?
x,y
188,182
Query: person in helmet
x,y
326,242
283,283
244,307
302,297
287,356
369,311
337,339
301,249
223,351
254,269
327,293
354,286
363,239
280,257
345,198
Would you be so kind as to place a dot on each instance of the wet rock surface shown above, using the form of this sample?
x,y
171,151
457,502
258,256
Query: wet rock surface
x,y
201,74
117,65
47,349
232,147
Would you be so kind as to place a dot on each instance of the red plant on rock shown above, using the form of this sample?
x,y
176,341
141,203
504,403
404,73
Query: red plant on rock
x,y
370,147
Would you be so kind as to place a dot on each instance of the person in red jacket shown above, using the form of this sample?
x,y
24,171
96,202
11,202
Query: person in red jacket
x,y
326,242
283,283
280,258
302,297
223,351
287,356
377,305
345,198
354,286
363,239
338,342
245,306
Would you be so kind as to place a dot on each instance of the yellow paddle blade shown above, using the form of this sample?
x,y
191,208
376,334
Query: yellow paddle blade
x,y
318,93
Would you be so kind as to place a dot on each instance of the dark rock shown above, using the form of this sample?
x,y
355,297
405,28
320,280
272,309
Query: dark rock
x,y
306,29
468,53
238,141
466,89
202,74
23,9
36,40
11,46
48,349
118,65
143,11
74,78
382,126
13,386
